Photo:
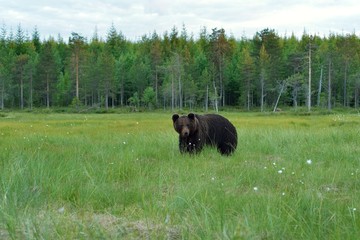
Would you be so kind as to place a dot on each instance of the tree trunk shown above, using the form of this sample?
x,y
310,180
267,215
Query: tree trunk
x,y
172,94
106,98
207,98
277,101
180,93
356,97
320,86
295,102
122,91
2,95
31,91
156,86
215,97
329,87
345,102
47,91
222,91
248,95
295,96
85,96
262,82
99,98
77,74
309,90
21,90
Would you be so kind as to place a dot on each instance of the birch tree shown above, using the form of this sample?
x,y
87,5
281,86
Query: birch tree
x,y
264,64
219,48
248,70
77,45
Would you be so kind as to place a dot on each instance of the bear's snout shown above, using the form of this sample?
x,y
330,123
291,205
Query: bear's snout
x,y
185,132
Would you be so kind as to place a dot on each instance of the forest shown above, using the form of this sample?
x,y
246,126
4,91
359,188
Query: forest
x,y
178,70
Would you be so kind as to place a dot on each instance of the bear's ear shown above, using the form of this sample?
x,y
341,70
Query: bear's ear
x,y
175,117
191,116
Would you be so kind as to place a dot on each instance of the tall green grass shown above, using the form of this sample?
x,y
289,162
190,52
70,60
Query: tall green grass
x,y
111,176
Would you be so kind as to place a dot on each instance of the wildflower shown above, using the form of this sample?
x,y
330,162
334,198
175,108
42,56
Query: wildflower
x,y
213,179
283,194
280,171
309,161
124,142
256,188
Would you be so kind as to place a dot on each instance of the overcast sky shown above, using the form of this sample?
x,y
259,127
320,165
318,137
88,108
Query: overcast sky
x,y
134,18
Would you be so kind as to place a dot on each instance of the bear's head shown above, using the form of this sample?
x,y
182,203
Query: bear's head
x,y
185,125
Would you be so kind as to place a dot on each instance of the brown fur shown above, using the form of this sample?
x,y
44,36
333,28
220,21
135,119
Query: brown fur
x,y
195,131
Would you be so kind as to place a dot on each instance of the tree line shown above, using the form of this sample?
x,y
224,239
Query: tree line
x,y
176,70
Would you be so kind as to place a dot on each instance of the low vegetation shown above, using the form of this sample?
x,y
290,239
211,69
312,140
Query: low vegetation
x,y
112,176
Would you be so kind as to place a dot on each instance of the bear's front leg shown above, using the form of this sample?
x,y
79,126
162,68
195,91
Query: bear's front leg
x,y
187,145
183,145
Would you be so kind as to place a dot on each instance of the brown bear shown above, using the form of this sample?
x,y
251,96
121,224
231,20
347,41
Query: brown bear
x,y
195,131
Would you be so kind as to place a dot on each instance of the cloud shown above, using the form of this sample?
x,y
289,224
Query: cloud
x,y
159,7
138,17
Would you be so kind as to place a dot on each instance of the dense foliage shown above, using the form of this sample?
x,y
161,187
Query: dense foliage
x,y
175,70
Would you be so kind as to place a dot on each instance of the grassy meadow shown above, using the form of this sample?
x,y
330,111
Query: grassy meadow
x,y
121,176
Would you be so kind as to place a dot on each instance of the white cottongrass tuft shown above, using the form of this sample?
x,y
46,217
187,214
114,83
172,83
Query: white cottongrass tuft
x,y
61,210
